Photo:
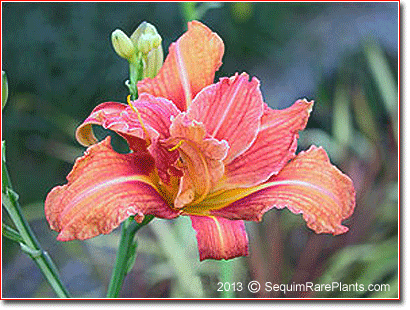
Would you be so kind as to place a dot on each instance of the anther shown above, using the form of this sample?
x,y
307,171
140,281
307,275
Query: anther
x,y
176,146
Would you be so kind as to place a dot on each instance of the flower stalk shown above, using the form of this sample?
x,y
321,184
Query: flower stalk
x,y
136,74
145,57
226,274
25,236
126,254
193,11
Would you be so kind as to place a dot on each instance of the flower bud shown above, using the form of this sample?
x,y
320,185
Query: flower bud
x,y
148,42
122,44
153,62
146,38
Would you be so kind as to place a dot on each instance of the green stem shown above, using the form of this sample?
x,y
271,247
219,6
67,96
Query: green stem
x,y
136,74
125,254
192,11
227,277
30,244
189,11
128,246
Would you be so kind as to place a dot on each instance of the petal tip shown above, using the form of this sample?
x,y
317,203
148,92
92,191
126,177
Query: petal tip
x,y
219,238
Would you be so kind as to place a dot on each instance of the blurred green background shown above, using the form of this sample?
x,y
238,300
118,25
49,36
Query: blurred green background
x,y
60,65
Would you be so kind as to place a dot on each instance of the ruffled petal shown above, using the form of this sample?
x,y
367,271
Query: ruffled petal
x,y
190,66
309,185
155,116
274,146
219,238
230,110
104,188
148,119
201,159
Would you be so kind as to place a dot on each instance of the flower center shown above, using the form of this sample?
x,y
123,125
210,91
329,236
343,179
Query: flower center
x,y
200,160
196,182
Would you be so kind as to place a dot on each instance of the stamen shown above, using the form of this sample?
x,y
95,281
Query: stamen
x,y
176,146
139,119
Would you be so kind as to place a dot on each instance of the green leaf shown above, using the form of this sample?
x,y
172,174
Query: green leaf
x,y
178,254
390,290
3,151
385,81
341,116
11,234
361,264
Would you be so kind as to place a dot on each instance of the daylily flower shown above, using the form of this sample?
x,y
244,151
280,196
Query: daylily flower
x,y
214,152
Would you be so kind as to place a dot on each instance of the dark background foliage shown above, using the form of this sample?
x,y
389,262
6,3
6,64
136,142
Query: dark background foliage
x,y
60,65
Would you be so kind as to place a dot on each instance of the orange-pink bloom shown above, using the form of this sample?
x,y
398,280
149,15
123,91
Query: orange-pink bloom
x,y
214,152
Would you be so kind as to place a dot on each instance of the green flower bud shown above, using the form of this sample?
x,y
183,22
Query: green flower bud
x,y
122,44
148,41
146,38
153,62
4,89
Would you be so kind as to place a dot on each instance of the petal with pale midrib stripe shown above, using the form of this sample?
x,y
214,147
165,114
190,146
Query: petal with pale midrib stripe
x,y
104,188
230,110
190,66
309,185
274,146
219,238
